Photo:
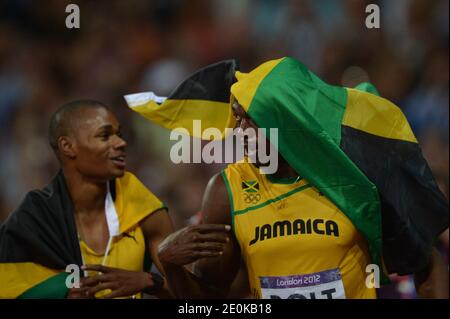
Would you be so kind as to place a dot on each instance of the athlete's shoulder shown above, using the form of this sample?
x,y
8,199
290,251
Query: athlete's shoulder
x,y
132,186
133,201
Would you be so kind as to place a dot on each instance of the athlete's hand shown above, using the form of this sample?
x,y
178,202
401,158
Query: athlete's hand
x,y
78,293
83,291
192,243
121,282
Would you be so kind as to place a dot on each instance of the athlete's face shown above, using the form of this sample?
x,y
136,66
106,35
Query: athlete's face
x,y
98,145
244,122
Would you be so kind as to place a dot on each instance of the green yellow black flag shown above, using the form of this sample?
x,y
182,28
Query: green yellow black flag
x,y
205,96
356,147
37,241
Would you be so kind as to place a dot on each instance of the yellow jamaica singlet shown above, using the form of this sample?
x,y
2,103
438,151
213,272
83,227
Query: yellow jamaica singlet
x,y
127,252
127,248
294,241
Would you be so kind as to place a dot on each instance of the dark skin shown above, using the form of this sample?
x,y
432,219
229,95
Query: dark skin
x,y
215,274
91,154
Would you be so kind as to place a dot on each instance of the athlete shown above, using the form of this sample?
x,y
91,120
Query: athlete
x,y
294,242
92,214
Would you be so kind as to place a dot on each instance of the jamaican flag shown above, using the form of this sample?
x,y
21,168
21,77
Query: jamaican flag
x,y
39,239
205,96
356,147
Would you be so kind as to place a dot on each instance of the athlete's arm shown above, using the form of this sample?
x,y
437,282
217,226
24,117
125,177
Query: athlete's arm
x,y
210,245
433,281
220,271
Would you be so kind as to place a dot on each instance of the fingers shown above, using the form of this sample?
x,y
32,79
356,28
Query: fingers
x,y
209,247
99,268
194,242
213,237
202,254
210,233
209,240
94,280
201,250
208,228
89,281
77,293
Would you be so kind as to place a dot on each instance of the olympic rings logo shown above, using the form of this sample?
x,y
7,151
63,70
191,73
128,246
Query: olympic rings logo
x,y
251,198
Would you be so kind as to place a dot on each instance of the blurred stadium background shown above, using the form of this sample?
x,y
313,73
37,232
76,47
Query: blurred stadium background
x,y
131,46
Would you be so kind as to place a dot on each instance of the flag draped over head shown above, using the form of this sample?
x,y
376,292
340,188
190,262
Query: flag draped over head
x,y
356,147
39,239
204,96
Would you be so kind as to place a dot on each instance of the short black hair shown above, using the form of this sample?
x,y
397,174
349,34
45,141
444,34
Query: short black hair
x,y
62,120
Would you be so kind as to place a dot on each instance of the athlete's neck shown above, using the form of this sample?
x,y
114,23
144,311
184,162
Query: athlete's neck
x,y
88,196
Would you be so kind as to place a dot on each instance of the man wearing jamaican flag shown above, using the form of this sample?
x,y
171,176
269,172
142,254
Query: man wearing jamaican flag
x,y
93,213
352,192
